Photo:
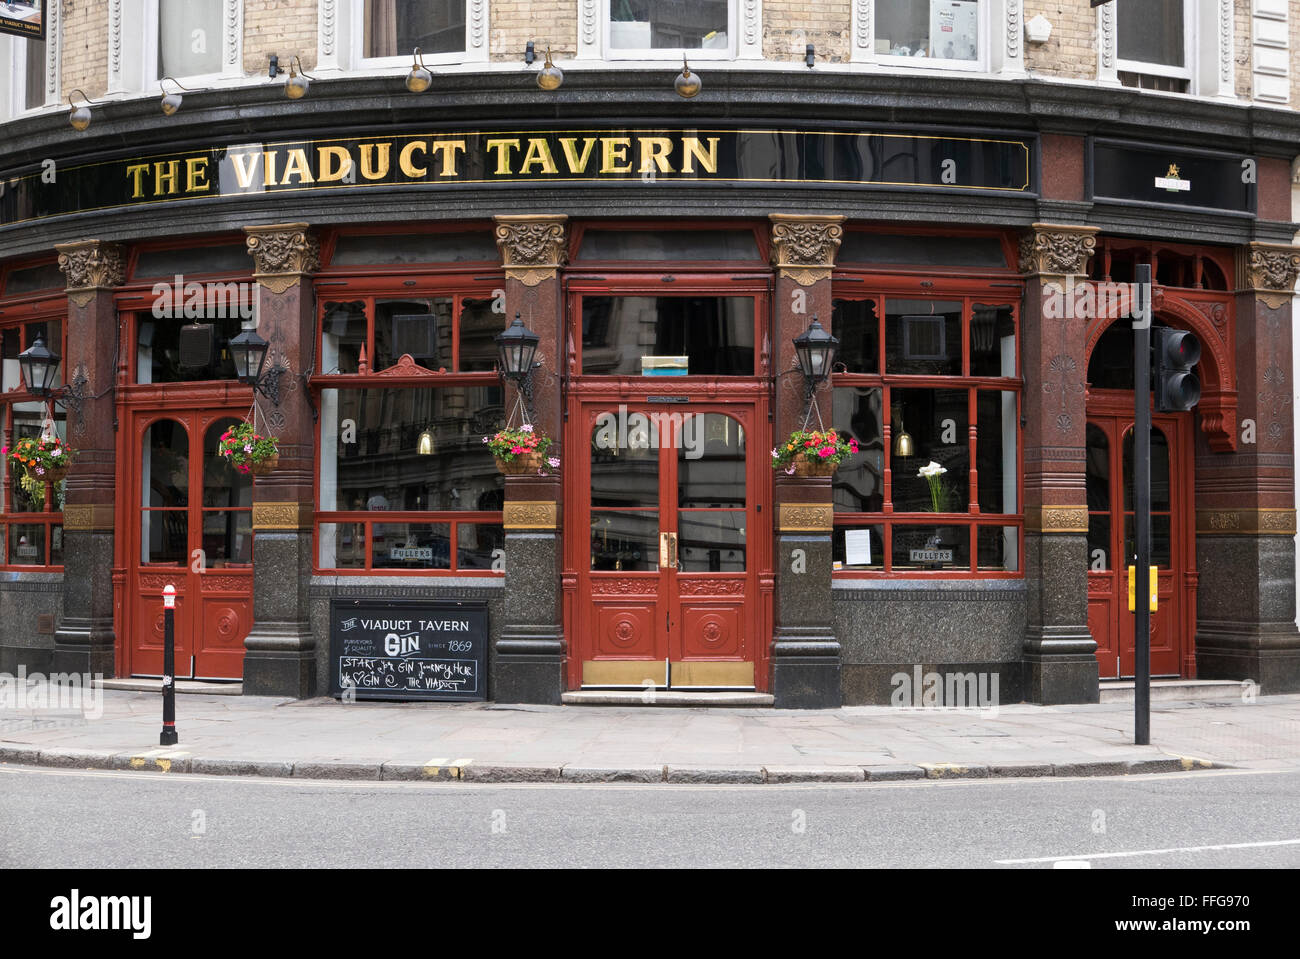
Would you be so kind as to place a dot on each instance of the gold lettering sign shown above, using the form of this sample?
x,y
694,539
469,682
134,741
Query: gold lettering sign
x,y
760,157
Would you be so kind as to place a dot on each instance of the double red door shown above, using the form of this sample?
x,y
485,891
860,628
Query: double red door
x,y
665,545
188,523
1111,543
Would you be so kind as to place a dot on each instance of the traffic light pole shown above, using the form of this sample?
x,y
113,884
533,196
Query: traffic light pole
x,y
1142,507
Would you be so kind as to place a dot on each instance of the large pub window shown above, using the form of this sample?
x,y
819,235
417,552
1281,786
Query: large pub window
x,y
32,512
407,393
928,383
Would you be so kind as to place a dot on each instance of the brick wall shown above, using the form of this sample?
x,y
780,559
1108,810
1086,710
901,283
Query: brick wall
x,y
283,27
1242,84
790,25
85,47
551,23
1072,50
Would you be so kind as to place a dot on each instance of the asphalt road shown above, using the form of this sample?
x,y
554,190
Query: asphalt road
x,y
86,819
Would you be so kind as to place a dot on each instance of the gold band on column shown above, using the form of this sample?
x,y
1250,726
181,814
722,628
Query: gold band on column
x,y
530,514
1056,519
270,516
1259,522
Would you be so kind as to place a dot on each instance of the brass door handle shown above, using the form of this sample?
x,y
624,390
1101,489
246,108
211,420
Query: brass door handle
x,y
673,545
668,550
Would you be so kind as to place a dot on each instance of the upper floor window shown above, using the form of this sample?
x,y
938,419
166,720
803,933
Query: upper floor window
x,y
648,28
942,32
189,37
22,77
391,29
1153,41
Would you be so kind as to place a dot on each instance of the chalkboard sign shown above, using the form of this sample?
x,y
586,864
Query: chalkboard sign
x,y
408,649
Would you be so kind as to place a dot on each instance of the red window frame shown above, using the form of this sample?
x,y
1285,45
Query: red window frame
x,y
410,282
37,309
877,287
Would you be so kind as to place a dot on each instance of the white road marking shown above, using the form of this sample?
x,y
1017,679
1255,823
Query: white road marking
x,y
1152,852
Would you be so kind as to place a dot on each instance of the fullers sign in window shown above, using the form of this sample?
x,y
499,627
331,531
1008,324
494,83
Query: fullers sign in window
x,y
656,335
638,25
406,482
941,30
930,390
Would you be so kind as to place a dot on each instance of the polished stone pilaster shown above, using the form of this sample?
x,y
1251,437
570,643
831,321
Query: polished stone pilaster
x,y
1060,663
805,654
280,657
1245,509
84,640
531,649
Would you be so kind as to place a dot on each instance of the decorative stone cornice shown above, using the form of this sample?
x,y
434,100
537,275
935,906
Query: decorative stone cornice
x,y
283,253
533,248
91,265
1270,270
530,514
805,517
803,247
1056,519
1058,250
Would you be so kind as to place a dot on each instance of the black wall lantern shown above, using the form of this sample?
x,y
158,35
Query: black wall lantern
x,y
39,368
815,349
516,350
248,351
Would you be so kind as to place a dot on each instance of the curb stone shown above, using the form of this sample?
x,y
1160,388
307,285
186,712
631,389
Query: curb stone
x,y
954,771
1023,770
631,774
181,762
330,770
829,774
510,774
886,774
241,767
173,762
1093,768
706,774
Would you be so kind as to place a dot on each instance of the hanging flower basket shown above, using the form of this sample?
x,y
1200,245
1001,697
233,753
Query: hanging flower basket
x,y
522,450
268,465
248,451
812,453
44,460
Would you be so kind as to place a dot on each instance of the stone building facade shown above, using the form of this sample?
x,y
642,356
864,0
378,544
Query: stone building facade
x,y
960,191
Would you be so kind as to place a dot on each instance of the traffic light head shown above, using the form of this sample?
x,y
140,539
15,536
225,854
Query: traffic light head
x,y
1177,388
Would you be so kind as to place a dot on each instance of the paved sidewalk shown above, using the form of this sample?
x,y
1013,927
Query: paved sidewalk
x,y
487,742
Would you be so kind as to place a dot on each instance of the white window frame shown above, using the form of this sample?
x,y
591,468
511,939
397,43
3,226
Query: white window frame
x,y
863,43
1187,71
14,52
350,52
133,48
672,53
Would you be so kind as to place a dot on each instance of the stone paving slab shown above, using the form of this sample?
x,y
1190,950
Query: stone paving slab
x,y
267,736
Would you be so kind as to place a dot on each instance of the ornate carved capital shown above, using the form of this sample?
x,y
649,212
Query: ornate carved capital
x,y
530,514
282,254
91,265
533,248
805,517
803,247
1056,519
1058,250
1270,269
282,516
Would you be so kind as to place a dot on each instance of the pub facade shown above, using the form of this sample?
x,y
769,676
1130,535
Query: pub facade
x,y
968,230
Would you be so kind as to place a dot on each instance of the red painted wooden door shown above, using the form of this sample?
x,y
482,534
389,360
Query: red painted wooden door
x,y
1111,542
190,525
664,546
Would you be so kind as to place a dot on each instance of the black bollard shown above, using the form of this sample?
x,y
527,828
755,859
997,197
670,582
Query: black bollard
x,y
168,735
